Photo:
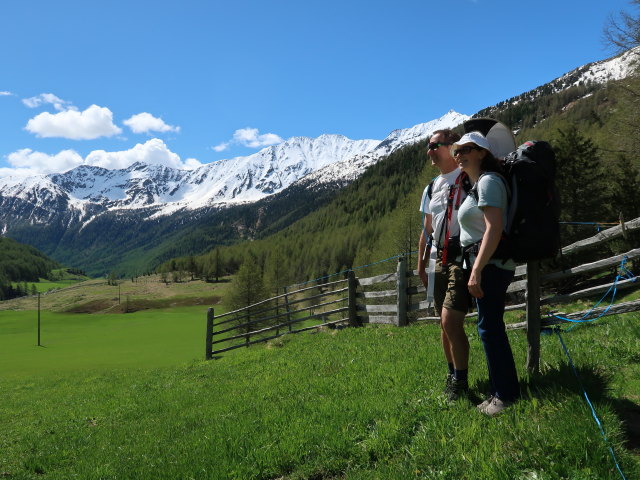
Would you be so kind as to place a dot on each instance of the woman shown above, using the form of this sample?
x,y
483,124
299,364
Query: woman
x,y
481,217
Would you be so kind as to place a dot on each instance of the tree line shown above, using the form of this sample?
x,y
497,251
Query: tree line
x,y
19,264
377,216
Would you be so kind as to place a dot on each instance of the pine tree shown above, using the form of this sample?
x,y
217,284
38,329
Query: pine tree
x,y
581,180
248,286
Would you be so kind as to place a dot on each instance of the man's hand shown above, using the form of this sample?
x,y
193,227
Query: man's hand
x,y
424,278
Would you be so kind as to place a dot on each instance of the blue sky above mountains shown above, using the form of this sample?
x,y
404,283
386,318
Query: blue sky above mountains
x,y
190,82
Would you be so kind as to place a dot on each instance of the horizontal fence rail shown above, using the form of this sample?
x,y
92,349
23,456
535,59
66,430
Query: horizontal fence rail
x,y
397,298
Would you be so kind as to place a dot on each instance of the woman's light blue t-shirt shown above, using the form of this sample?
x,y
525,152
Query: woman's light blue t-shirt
x,y
492,192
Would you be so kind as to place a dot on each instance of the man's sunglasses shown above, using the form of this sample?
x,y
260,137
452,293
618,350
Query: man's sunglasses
x,y
437,145
464,150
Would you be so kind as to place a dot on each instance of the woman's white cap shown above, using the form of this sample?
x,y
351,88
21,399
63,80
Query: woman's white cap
x,y
473,137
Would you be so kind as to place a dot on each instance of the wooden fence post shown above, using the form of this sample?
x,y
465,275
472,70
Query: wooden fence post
x,y
248,328
533,316
402,292
286,306
353,310
209,333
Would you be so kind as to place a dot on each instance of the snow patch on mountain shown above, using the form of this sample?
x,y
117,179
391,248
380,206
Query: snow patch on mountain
x,y
345,172
615,68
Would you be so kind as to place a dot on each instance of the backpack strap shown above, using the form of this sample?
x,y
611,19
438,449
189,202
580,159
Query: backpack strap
x,y
473,190
475,247
453,203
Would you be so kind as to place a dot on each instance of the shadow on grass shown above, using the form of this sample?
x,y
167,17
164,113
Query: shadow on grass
x,y
554,384
629,413
557,383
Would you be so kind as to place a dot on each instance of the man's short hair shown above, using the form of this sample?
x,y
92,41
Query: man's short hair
x,y
449,135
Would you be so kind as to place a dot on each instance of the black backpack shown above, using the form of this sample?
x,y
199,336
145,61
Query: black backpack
x,y
532,231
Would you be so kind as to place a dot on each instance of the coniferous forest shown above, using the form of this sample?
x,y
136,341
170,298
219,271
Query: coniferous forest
x,y
377,216
21,263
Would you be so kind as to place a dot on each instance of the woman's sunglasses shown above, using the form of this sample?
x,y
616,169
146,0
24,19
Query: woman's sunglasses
x,y
464,150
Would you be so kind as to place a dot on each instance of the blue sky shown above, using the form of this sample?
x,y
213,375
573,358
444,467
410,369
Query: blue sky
x,y
189,82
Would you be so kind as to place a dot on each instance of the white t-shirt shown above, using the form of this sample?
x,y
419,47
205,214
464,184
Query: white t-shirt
x,y
436,206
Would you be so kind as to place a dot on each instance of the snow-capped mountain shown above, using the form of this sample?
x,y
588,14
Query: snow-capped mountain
x,y
93,218
590,75
346,171
87,191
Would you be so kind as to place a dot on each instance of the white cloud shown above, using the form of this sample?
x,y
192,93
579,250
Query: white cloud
x,y
27,162
249,137
5,93
153,151
48,98
192,163
30,162
145,122
222,147
93,123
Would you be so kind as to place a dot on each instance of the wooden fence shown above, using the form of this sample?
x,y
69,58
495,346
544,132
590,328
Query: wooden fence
x,y
389,299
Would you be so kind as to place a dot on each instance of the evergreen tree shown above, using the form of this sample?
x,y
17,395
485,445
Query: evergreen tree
x,y
624,187
581,180
248,285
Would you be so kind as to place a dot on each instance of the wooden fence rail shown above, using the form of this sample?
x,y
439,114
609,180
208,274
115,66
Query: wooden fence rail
x,y
391,299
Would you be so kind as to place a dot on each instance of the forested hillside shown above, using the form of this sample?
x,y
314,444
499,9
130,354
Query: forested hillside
x,y
21,263
377,217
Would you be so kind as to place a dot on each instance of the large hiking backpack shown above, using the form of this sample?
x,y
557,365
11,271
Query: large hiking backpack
x,y
532,231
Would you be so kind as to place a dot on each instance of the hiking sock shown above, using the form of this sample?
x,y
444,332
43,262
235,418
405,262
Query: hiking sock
x,y
461,375
451,369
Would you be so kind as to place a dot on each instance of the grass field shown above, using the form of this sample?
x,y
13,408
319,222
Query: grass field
x,y
128,396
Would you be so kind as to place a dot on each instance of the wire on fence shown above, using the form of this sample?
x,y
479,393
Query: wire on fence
x,y
593,410
623,272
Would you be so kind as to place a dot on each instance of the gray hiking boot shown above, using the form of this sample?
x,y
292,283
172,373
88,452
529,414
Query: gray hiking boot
x,y
458,389
486,403
495,407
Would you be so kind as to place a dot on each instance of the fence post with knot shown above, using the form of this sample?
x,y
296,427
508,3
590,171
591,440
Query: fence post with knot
x,y
533,316
402,291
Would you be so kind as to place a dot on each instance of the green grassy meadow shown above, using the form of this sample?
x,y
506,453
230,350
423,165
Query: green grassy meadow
x,y
129,396
74,342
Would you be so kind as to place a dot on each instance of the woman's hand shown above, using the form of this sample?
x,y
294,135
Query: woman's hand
x,y
475,279
490,240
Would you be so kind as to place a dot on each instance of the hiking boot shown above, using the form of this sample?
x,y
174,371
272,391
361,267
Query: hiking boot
x,y
495,407
448,383
486,403
459,388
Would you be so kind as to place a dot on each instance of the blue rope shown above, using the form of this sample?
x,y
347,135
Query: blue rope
x,y
624,272
597,224
593,410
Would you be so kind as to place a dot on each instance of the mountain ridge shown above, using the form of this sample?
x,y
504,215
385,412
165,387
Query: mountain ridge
x,y
98,216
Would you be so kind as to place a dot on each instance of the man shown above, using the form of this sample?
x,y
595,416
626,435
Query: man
x,y
440,203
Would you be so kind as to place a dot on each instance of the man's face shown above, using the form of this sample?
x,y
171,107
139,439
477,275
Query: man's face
x,y
436,153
